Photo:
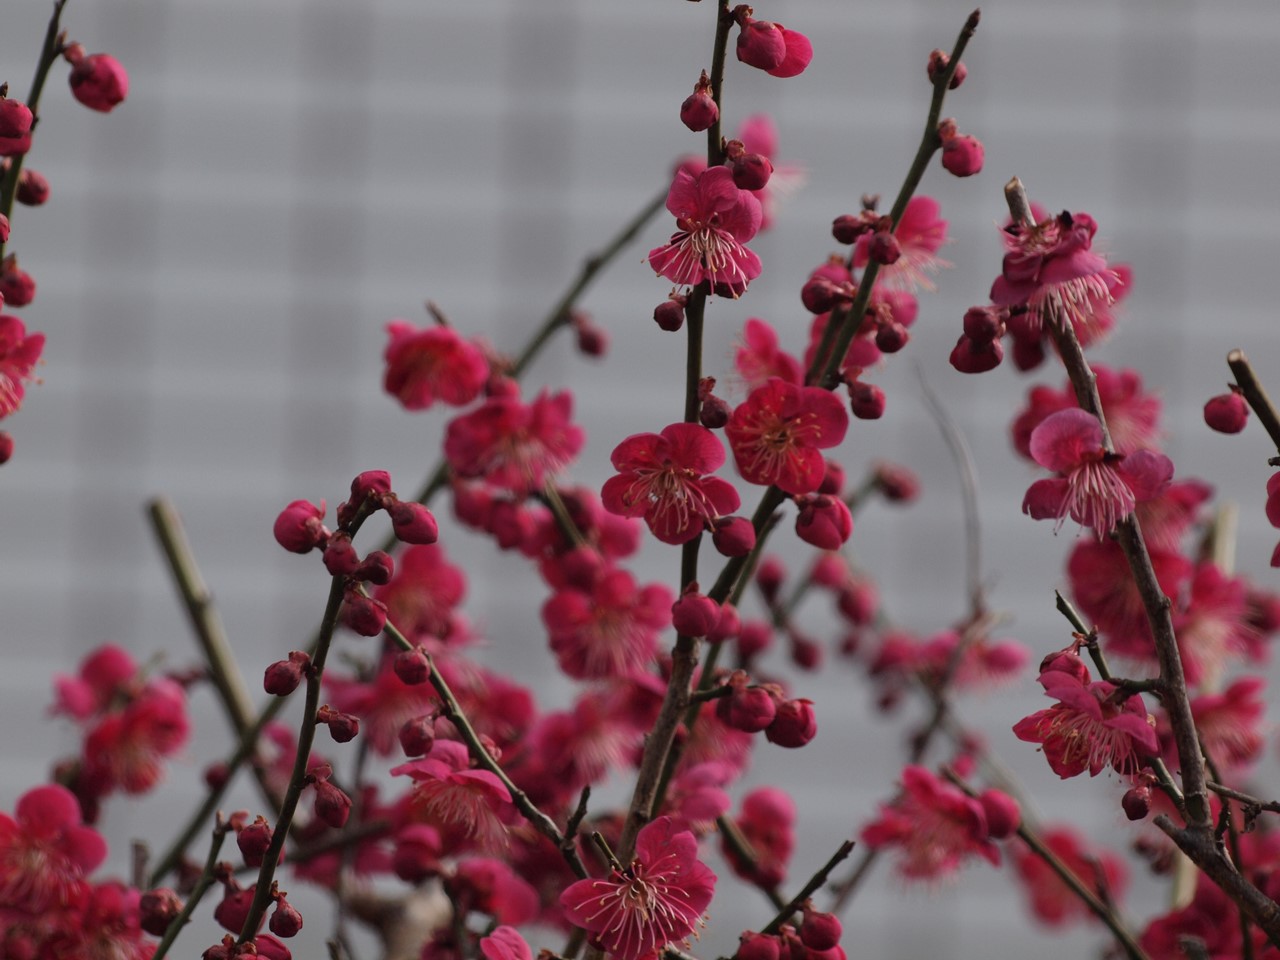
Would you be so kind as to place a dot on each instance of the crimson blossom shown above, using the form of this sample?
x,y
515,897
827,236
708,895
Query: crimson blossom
x,y
19,353
1097,488
778,432
659,899
1092,726
424,366
661,478
512,444
46,852
714,219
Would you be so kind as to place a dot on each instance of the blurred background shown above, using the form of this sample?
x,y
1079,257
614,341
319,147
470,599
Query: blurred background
x,y
220,255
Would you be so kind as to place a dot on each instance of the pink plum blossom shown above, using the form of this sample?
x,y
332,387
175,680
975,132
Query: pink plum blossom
x,y
714,221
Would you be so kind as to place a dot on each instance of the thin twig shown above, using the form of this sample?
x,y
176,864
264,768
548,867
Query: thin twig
x,y
809,889
220,830
1255,394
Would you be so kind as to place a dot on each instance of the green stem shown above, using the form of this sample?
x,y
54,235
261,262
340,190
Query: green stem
x,y
220,831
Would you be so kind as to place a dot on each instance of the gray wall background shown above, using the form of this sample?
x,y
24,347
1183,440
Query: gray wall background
x,y
219,257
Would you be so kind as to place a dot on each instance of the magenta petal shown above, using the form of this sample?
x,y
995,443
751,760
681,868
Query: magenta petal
x,y
827,415
799,54
636,451
85,847
742,218
693,447
722,494
1146,472
1064,439
615,495
1138,729
47,811
682,198
1045,499
718,193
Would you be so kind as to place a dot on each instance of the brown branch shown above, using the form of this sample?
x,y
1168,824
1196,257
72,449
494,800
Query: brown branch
x,y
1254,394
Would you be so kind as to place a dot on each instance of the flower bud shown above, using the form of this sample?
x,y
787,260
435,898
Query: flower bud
x,y
794,725
761,44
283,677
417,736
1227,413
286,921
233,909
254,840
1137,802
669,314
770,574
17,287
332,805
592,341
751,171
343,727
962,155
694,614
412,666
340,557
866,400
819,931
727,626
971,356
374,484
1003,815
6,447
99,82
15,118
758,946
364,615
269,948
897,484
714,412
754,638
412,522
884,248
823,521
33,188
891,337
699,110
376,568
983,324
298,528
733,536
805,653
157,909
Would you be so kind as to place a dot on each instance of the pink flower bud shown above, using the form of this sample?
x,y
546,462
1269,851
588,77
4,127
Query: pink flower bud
x,y
592,341
1003,815
962,155
412,522
254,840
752,171
233,909
770,575
417,736
750,709
216,775
6,447
15,118
376,568
983,324
1137,802
819,294
17,287
819,931
938,63
727,626
340,556
897,484
823,521
286,921
343,727
699,111
794,725
866,400
283,677
332,805
884,248
299,528
157,909
364,615
805,653
761,44
4,230
758,946
754,638
734,536
669,314
99,82
374,484
412,666
1227,413
15,146
269,948
694,615
971,356
891,337
33,188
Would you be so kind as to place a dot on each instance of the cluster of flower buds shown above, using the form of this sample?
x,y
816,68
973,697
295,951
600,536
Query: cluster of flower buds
x,y
753,708
263,945
333,807
771,47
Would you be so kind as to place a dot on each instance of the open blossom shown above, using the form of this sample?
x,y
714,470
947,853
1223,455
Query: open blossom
x,y
1096,488
778,434
1092,726
19,353
45,851
512,444
1052,901
759,357
609,629
920,234
714,220
934,824
1052,272
1132,412
661,477
424,366
656,900
768,822
465,805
